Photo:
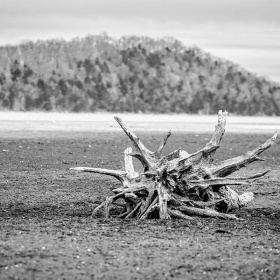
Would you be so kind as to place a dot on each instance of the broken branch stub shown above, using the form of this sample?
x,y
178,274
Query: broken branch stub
x,y
179,185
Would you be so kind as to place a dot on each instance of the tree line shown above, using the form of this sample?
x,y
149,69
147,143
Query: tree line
x,y
130,74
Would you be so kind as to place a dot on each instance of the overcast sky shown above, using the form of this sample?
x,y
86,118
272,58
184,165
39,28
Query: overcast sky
x,y
244,31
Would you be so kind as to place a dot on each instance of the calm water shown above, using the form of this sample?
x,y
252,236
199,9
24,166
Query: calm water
x,y
37,121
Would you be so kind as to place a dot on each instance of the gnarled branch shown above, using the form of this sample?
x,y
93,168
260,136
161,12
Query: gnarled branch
x,y
179,185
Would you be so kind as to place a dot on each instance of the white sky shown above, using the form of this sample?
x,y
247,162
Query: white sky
x,y
244,31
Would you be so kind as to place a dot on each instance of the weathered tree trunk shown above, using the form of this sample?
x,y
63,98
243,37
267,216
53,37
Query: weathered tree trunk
x,y
179,185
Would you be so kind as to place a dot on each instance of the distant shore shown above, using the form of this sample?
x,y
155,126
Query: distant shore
x,y
39,121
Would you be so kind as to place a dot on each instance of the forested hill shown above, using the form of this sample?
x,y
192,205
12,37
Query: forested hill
x,y
131,74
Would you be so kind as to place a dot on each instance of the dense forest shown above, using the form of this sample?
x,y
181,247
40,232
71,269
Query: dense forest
x,y
130,74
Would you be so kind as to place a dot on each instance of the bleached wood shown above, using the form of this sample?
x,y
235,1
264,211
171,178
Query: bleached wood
x,y
119,174
178,214
129,169
179,185
229,166
163,143
143,152
163,197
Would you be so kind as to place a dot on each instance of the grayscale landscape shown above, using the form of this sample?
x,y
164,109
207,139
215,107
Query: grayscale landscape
x,y
92,183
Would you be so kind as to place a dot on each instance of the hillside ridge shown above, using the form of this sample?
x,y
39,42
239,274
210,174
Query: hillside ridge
x,y
130,74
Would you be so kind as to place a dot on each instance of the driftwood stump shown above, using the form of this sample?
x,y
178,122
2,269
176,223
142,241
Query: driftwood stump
x,y
179,185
